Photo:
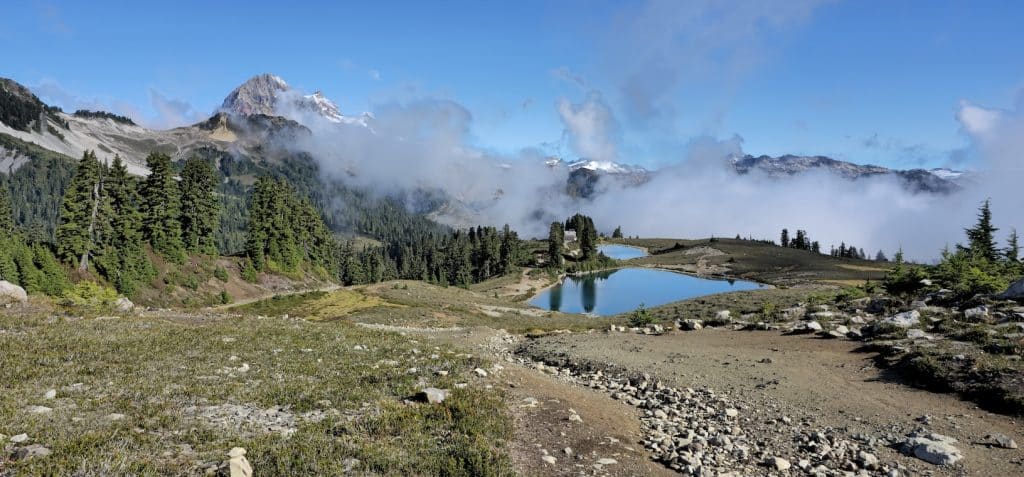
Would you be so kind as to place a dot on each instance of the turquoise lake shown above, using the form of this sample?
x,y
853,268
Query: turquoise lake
x,y
617,291
621,252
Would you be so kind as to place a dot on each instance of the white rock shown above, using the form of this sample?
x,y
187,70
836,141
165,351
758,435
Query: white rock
x,y
124,305
11,293
434,395
238,464
18,439
934,448
906,319
607,461
550,459
38,409
731,412
480,372
51,394
778,463
722,315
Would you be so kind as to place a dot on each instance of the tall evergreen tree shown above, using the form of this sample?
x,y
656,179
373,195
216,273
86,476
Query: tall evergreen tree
x,y
78,235
1012,248
160,205
981,237
6,213
617,233
785,238
556,237
200,208
124,260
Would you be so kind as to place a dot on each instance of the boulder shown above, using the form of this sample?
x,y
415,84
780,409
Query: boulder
x,y
11,293
976,314
1001,440
722,315
124,305
1014,292
907,319
691,325
433,395
933,448
30,451
881,304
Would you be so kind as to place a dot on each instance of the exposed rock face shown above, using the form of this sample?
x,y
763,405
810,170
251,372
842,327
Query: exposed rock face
x,y
11,293
258,95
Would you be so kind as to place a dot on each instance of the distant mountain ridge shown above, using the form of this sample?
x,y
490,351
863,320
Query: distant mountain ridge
x,y
939,180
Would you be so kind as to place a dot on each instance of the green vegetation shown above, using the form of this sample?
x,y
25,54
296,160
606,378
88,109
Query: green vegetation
x,y
976,268
640,317
161,209
200,208
152,396
85,113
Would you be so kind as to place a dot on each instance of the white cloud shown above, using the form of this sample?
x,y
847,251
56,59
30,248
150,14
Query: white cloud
x,y
590,126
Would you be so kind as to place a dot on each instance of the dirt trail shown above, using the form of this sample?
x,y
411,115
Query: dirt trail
x,y
826,381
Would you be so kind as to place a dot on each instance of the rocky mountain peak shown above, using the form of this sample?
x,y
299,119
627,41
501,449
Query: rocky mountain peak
x,y
258,95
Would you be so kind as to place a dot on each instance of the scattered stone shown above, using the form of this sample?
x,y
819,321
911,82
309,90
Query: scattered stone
x,y
480,372
690,325
766,361
607,461
51,394
976,314
730,413
906,319
238,464
813,326
530,402
933,448
114,416
11,293
1002,440
18,439
653,329
778,463
433,395
916,333
549,459
38,410
567,451
722,316
350,464
30,451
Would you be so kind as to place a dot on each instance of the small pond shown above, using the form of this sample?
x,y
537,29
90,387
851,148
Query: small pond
x,y
617,291
621,252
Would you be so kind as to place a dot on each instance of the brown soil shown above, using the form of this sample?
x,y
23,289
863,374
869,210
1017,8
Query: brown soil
x,y
825,379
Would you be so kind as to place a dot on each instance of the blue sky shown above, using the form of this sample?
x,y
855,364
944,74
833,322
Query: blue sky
x,y
868,81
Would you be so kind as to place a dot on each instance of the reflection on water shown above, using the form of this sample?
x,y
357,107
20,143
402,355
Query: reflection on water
x,y
616,291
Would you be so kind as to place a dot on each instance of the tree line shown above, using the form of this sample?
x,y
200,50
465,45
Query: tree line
x,y
111,225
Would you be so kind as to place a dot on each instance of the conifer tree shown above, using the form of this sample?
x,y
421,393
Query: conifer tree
x,y
78,235
124,259
785,238
556,237
6,213
981,237
617,233
200,208
1012,248
160,204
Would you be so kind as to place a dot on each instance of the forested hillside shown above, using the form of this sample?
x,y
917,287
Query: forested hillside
x,y
90,220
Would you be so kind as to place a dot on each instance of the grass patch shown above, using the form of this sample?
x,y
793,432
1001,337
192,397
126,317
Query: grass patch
x,y
316,305
153,371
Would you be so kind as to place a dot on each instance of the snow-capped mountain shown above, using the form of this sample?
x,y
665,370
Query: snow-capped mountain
x,y
270,95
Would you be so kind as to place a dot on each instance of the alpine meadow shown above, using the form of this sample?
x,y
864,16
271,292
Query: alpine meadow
x,y
634,238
